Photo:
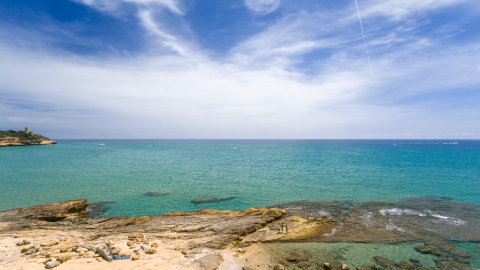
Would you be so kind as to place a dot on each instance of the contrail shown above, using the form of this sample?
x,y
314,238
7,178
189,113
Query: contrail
x,y
365,40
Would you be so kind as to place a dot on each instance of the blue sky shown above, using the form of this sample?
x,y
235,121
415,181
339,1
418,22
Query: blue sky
x,y
247,68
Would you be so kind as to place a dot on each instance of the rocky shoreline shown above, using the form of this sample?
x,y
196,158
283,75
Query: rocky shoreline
x,y
63,236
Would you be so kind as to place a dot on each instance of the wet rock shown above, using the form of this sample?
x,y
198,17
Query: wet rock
x,y
53,211
345,267
279,267
291,259
327,266
453,265
424,249
414,261
97,209
363,268
405,265
438,260
52,264
448,248
210,261
383,262
210,200
156,194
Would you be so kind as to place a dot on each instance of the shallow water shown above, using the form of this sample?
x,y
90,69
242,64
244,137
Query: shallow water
x,y
352,254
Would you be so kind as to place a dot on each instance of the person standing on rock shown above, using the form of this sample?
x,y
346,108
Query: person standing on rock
x,y
286,228
280,228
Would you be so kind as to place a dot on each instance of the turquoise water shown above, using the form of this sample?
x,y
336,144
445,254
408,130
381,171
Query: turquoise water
x,y
259,173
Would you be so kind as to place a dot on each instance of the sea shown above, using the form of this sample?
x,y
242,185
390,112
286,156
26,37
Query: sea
x,y
257,173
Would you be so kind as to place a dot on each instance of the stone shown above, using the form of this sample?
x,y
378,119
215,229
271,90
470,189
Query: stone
x,y
279,267
414,261
155,244
90,254
135,236
210,200
424,249
63,258
449,265
130,244
363,268
116,251
345,267
241,250
52,264
327,266
405,265
383,262
90,260
136,251
135,257
156,194
246,268
210,261
150,251
291,259
184,252
65,249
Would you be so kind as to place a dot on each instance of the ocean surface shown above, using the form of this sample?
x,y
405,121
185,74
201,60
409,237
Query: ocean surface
x,y
258,173
416,186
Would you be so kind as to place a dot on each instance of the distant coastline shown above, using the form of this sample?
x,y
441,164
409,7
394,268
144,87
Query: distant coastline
x,y
22,138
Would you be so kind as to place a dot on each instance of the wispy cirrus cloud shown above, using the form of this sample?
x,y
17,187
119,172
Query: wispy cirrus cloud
x,y
262,6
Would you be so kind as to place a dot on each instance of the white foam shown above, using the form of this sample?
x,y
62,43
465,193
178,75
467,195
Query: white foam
x,y
367,218
293,208
324,214
398,212
391,227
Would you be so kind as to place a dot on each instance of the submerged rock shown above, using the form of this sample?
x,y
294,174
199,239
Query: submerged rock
x,y
210,200
383,262
156,194
97,209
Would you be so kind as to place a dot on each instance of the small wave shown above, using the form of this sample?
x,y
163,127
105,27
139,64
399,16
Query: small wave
x,y
293,208
324,214
102,144
399,212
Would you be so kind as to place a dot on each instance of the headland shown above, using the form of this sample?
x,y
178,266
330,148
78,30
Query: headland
x,y
22,138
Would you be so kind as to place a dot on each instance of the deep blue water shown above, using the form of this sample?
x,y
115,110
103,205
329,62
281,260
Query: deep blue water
x,y
259,173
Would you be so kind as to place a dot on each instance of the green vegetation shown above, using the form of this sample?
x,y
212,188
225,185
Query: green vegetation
x,y
22,136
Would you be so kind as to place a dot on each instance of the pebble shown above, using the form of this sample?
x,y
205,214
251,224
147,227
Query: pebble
x,y
90,260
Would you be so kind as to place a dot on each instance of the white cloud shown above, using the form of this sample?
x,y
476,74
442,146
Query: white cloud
x,y
113,5
399,10
262,6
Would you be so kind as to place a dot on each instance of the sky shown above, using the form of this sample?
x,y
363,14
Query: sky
x,y
245,69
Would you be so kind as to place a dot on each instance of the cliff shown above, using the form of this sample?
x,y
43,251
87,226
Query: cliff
x,y
21,138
